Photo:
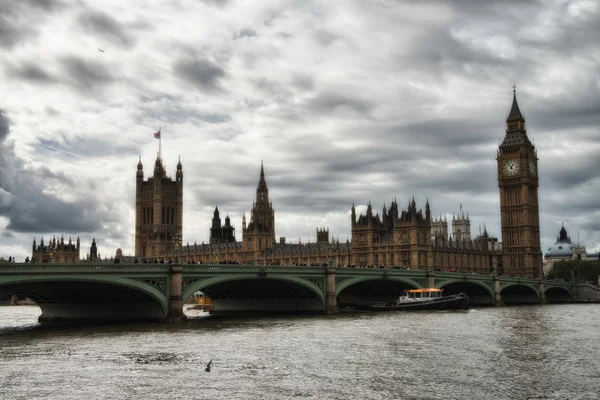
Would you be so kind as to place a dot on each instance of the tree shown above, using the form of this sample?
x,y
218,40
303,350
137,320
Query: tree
x,y
580,270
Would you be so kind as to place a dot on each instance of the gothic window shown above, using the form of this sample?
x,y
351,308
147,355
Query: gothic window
x,y
404,237
362,240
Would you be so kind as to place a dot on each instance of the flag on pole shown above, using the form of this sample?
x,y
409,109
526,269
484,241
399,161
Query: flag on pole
x,y
157,134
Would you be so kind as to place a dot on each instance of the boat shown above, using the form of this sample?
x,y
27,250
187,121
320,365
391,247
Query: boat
x,y
424,299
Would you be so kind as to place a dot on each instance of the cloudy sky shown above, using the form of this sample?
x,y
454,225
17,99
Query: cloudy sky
x,y
347,101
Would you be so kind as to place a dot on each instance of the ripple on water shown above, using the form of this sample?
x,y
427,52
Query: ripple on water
x,y
512,352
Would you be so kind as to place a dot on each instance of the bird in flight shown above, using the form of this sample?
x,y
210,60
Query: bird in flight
x,y
100,50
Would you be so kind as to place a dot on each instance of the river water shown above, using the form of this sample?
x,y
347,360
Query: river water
x,y
533,352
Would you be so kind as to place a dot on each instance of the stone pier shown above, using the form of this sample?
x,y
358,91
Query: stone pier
x,y
175,299
331,295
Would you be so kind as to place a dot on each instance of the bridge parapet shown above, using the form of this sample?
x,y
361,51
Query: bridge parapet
x,y
50,268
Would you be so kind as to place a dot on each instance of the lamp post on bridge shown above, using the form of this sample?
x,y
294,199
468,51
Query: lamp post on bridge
x,y
177,248
216,255
51,251
329,252
429,261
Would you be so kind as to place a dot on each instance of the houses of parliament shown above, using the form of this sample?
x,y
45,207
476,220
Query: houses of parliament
x,y
407,238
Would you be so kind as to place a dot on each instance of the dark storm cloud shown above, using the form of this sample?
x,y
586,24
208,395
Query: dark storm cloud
x,y
573,172
202,74
101,24
578,108
31,72
331,102
4,126
303,82
246,32
45,5
217,3
80,147
174,109
447,133
11,34
325,37
18,19
86,74
27,201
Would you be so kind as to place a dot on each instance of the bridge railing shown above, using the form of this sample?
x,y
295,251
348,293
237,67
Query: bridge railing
x,y
50,268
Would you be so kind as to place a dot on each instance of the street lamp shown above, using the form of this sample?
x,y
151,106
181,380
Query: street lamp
x,y
51,250
177,247
216,255
429,261
329,251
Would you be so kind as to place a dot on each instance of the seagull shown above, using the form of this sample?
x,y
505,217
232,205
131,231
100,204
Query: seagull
x,y
207,369
100,50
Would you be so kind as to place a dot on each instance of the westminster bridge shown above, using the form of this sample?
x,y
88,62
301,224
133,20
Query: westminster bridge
x,y
157,292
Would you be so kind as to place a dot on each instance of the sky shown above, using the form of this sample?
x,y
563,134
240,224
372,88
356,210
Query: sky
x,y
347,101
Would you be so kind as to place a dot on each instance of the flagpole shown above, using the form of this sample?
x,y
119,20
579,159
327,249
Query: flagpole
x,y
159,143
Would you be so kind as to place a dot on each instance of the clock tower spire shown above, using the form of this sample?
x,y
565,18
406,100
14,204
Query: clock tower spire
x,y
519,207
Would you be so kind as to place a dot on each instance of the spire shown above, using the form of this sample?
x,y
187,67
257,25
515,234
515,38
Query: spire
x,y
262,192
262,170
515,113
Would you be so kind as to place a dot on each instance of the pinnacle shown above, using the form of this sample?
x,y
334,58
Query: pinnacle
x,y
515,112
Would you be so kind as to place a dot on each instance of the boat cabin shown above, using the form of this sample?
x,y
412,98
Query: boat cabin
x,y
420,295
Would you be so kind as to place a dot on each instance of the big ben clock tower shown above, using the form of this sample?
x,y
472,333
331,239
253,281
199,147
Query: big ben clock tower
x,y
519,210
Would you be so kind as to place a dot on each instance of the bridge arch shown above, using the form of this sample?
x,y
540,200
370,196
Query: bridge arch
x,y
252,293
479,293
91,298
519,293
363,290
558,294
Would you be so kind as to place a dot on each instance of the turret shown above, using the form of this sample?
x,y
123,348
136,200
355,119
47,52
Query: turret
x,y
427,211
353,217
216,221
140,171
159,170
179,174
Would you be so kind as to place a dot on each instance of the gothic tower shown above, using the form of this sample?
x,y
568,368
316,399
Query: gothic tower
x,y
158,211
519,210
260,232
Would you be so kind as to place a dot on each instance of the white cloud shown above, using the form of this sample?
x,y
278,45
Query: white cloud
x,y
354,102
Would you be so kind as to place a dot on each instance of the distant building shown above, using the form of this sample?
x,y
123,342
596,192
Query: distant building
x,y
158,211
55,251
565,249
221,233
94,256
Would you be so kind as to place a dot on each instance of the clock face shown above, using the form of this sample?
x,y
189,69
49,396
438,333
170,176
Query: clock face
x,y
511,167
531,167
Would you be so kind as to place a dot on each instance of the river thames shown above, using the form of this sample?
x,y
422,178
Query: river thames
x,y
528,352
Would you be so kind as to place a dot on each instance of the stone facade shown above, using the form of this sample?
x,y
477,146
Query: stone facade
x,y
409,238
221,233
258,245
158,211
519,208
412,240
55,251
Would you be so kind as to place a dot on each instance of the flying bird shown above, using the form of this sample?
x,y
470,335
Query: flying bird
x,y
100,50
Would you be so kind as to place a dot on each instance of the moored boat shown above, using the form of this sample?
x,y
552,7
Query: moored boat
x,y
424,299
